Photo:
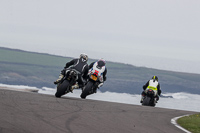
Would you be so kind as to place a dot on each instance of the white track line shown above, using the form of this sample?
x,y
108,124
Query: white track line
x,y
173,121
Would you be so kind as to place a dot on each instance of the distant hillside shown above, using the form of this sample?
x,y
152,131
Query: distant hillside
x,y
19,67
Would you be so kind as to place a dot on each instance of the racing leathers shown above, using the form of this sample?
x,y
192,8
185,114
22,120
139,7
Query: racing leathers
x,y
81,66
101,69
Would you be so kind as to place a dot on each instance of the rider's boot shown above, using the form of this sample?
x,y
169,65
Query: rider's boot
x,y
59,79
142,98
141,101
76,86
157,98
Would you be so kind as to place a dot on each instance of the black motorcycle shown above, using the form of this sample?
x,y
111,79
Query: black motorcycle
x,y
149,99
91,85
70,78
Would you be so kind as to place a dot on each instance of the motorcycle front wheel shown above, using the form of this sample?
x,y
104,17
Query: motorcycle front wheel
x,y
87,90
61,88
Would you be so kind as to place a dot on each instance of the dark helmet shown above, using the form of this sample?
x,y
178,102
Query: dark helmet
x,y
101,63
84,57
155,77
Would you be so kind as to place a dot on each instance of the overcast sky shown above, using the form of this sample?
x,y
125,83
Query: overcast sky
x,y
152,33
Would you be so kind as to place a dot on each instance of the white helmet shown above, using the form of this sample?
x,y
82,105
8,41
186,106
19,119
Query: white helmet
x,y
84,57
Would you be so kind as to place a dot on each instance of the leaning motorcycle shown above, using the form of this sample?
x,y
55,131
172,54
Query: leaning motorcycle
x,y
95,78
149,99
70,78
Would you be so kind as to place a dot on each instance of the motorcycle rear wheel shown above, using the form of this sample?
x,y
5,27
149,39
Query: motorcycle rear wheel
x,y
87,90
61,88
148,102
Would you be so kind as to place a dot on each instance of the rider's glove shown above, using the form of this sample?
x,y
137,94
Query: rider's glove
x,y
101,84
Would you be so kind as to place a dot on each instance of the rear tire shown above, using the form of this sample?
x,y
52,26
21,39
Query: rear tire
x,y
146,101
61,88
87,90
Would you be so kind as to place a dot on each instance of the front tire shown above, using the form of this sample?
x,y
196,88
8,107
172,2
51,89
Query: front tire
x,y
87,90
61,88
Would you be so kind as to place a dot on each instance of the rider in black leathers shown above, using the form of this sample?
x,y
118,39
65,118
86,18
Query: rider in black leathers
x,y
79,64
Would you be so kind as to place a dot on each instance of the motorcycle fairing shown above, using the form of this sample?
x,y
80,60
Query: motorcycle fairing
x,y
98,72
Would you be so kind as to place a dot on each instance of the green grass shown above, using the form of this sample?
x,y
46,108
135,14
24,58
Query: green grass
x,y
191,123
22,57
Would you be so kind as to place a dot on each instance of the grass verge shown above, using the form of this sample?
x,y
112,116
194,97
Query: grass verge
x,y
191,123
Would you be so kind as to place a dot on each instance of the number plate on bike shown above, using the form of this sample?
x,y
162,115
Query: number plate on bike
x,y
93,77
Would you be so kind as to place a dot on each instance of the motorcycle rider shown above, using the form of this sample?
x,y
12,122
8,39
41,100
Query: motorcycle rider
x,y
79,64
100,64
152,83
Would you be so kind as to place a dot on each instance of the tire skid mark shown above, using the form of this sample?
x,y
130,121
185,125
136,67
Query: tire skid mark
x,y
10,114
72,114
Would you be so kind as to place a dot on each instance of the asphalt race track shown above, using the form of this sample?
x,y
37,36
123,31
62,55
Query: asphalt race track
x,y
29,112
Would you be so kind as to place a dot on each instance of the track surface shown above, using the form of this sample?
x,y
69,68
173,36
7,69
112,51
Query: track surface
x,y
28,112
